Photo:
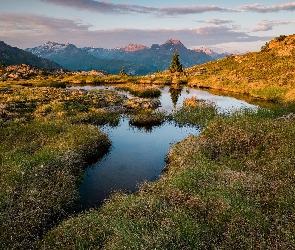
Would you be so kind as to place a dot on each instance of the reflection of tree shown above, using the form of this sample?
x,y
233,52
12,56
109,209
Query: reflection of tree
x,y
175,92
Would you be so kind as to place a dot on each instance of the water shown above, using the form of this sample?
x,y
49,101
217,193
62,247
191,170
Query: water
x,y
138,155
223,103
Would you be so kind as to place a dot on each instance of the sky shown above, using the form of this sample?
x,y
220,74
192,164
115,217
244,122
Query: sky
x,y
223,26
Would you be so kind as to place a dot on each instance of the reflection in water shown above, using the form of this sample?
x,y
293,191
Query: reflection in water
x,y
223,103
138,155
175,92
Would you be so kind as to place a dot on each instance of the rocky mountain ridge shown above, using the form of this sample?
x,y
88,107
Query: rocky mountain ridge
x,y
155,57
132,47
73,58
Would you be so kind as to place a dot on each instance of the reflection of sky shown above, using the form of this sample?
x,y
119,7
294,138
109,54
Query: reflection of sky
x,y
223,103
135,156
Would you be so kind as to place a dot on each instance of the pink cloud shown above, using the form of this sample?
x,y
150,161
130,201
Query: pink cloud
x,y
27,30
106,7
264,9
267,25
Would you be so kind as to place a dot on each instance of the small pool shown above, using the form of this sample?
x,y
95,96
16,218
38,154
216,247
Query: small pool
x,y
137,155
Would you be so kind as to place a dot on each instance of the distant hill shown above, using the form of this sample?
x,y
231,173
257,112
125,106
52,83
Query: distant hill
x,y
155,57
12,55
73,58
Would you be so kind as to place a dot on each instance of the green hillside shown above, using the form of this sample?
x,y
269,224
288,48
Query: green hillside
x,y
268,74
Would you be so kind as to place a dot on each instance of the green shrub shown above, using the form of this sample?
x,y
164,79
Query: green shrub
x,y
280,38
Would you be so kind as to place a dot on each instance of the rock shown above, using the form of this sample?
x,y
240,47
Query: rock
x,y
288,117
115,109
141,103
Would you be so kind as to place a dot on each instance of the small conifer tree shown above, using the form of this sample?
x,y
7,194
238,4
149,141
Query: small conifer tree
x,y
2,65
175,65
122,72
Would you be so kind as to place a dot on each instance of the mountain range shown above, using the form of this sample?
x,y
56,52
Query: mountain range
x,y
136,59
73,58
155,57
213,54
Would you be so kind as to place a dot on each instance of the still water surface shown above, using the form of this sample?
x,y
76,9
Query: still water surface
x,y
138,155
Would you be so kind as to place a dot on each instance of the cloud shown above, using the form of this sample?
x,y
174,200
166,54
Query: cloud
x,y
267,25
103,7
219,21
106,7
175,11
265,9
216,21
27,30
13,22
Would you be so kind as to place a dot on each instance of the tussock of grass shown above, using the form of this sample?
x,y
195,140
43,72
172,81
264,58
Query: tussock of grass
x,y
231,187
195,112
53,84
142,91
147,119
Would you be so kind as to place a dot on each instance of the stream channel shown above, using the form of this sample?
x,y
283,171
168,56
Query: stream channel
x,y
137,154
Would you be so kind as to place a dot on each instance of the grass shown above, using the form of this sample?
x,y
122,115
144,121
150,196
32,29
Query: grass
x,y
41,166
60,104
231,187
